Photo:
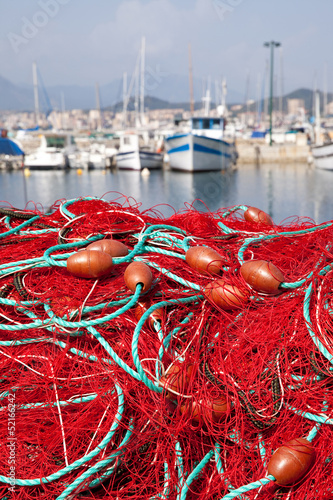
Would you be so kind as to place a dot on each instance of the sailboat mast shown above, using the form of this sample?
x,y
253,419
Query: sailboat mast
x,y
281,85
124,99
191,79
35,82
62,97
142,96
98,106
317,115
325,90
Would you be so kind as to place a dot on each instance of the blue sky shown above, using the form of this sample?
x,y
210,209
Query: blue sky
x,y
84,41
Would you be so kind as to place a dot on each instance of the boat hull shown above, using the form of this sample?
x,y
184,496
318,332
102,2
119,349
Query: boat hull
x,y
138,160
194,153
323,156
46,161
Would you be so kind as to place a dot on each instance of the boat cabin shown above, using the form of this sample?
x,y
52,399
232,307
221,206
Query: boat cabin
x,y
207,126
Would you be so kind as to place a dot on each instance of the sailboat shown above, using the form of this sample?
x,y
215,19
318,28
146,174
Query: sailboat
x,y
135,153
56,150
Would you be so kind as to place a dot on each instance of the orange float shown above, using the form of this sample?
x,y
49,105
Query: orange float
x,y
215,410
263,276
253,214
225,296
142,307
114,248
291,461
205,260
138,273
89,264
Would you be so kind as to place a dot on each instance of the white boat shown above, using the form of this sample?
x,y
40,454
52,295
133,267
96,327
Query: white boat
x,y
133,157
322,150
98,156
202,147
323,156
56,152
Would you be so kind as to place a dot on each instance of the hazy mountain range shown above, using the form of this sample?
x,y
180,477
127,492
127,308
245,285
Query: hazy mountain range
x,y
164,91
172,88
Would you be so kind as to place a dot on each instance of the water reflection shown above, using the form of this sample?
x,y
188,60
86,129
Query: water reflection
x,y
282,191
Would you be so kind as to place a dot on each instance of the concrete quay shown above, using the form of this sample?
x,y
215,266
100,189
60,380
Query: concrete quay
x,y
256,151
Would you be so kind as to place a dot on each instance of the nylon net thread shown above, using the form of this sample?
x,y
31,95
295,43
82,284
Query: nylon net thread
x,y
83,410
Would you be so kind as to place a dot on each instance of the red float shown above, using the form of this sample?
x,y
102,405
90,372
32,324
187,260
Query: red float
x,y
138,273
291,461
114,248
205,260
89,264
142,307
253,214
225,296
263,276
175,380
206,411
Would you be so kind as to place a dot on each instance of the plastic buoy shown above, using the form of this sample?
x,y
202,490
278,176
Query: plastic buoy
x,y
79,171
225,296
142,307
114,248
291,461
205,260
263,276
175,380
253,214
27,172
206,411
145,172
89,264
136,273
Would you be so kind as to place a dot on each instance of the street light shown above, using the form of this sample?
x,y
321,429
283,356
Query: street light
x,y
271,44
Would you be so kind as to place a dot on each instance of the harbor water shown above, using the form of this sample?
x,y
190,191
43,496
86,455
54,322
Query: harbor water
x,y
281,190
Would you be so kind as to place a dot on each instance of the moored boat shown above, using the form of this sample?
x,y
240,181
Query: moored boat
x,y
133,157
323,156
202,148
56,152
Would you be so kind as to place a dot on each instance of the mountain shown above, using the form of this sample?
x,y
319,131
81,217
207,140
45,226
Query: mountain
x,y
13,97
306,95
171,88
163,91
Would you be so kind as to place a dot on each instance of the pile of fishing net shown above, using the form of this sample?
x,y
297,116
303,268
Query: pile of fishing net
x,y
152,357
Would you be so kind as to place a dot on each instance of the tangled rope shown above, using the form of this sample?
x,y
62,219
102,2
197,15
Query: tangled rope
x,y
187,357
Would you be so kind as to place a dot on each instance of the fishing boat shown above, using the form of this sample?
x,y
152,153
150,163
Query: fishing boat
x,y
323,156
56,152
201,147
132,156
322,149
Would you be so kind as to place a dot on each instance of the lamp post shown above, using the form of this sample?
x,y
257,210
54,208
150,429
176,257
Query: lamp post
x,y
271,44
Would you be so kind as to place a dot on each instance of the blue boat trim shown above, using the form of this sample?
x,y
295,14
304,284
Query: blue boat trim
x,y
125,153
204,149
176,136
185,147
228,144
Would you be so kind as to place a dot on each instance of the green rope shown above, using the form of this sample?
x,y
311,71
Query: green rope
x,y
248,487
81,461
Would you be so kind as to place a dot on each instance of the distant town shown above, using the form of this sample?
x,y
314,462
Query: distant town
x,y
294,107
